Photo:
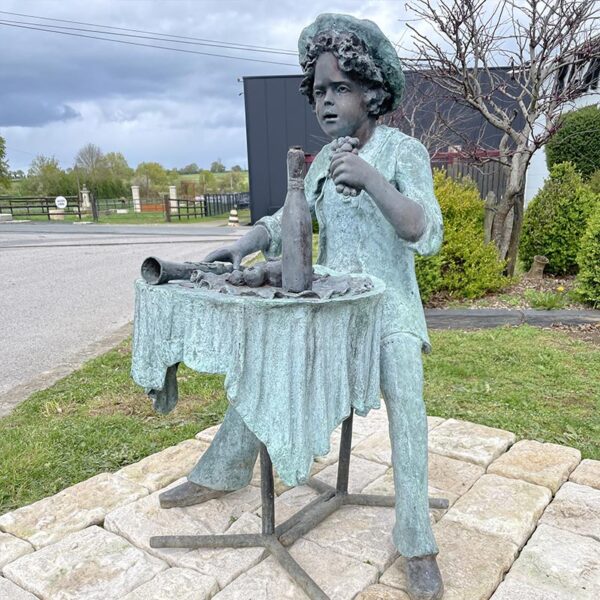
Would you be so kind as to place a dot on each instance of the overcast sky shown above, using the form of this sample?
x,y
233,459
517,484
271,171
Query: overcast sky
x,y
59,92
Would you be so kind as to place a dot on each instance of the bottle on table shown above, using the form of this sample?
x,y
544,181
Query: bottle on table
x,y
296,228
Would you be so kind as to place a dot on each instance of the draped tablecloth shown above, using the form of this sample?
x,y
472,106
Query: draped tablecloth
x,y
293,367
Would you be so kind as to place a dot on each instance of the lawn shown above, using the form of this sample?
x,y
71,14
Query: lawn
x,y
541,384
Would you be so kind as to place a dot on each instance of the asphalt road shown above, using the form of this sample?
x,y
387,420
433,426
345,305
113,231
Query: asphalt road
x,y
66,290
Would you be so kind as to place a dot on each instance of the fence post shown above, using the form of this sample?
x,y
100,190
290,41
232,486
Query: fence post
x,y
174,203
167,208
135,195
94,204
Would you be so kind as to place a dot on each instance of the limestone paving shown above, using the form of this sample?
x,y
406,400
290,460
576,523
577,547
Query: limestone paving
x,y
587,473
543,464
92,540
11,548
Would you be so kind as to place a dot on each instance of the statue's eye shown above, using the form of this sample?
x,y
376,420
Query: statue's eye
x,y
342,89
317,93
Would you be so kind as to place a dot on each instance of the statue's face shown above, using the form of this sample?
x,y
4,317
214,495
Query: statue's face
x,y
340,103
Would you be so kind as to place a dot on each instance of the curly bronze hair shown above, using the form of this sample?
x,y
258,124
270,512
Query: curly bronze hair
x,y
353,58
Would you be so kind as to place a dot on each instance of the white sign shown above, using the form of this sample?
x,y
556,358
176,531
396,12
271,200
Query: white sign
x,y
61,202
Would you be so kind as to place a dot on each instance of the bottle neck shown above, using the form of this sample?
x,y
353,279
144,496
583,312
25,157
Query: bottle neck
x,y
295,183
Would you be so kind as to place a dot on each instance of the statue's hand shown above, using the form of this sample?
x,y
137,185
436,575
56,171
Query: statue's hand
x,y
256,239
230,254
350,170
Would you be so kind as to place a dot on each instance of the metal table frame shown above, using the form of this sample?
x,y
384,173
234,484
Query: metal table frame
x,y
276,539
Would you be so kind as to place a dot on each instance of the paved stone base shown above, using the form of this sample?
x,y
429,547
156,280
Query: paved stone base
x,y
523,524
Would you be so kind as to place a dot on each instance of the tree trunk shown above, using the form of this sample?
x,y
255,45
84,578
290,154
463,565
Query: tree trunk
x,y
505,238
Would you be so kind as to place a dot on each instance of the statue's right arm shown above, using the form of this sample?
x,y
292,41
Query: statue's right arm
x,y
256,239
266,234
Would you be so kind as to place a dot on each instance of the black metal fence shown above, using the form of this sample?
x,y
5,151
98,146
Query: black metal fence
x,y
28,207
489,176
209,205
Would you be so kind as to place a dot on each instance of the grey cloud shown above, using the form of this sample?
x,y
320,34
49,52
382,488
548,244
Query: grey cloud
x,y
33,112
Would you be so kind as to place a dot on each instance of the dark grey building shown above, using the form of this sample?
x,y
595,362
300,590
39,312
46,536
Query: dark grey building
x,y
278,116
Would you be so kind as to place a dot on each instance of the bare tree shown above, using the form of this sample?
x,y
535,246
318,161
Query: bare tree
x,y
549,47
91,162
427,114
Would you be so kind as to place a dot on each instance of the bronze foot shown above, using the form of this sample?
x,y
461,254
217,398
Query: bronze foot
x,y
187,494
424,580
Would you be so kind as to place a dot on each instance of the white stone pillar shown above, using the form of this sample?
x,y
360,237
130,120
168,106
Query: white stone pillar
x,y
135,194
86,203
174,203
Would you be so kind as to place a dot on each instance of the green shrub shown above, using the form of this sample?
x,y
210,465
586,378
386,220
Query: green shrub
x,y
466,266
555,220
577,141
588,259
545,300
595,182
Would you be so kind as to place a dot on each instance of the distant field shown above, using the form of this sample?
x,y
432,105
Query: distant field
x,y
223,181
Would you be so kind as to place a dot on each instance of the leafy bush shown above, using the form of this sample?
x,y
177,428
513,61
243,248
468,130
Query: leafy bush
x,y
588,259
555,220
595,182
466,266
577,141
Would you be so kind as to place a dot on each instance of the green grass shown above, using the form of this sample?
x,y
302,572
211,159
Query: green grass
x,y
541,384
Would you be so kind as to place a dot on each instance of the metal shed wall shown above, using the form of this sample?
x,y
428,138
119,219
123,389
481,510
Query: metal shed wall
x,y
277,117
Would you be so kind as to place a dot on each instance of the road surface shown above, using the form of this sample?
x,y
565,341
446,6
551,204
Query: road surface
x,y
66,292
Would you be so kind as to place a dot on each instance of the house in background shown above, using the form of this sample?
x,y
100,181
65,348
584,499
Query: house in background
x,y
588,75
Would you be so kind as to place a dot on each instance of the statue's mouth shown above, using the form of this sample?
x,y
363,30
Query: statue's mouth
x,y
329,117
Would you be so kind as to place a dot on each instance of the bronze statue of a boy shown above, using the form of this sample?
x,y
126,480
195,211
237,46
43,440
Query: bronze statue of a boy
x,y
372,192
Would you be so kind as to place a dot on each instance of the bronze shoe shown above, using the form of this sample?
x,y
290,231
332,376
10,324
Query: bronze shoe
x,y
187,494
423,577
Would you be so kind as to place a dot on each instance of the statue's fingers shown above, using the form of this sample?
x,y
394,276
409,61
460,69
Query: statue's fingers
x,y
223,254
354,150
353,192
347,147
347,191
236,259
339,188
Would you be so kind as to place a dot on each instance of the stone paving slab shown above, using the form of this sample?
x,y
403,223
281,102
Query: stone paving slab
x,y
384,485
341,577
207,435
382,592
433,422
176,583
140,520
575,508
514,589
159,470
362,473
560,562
508,508
227,564
92,564
10,591
587,473
491,516
75,508
540,463
360,532
12,548
472,563
474,443
290,502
